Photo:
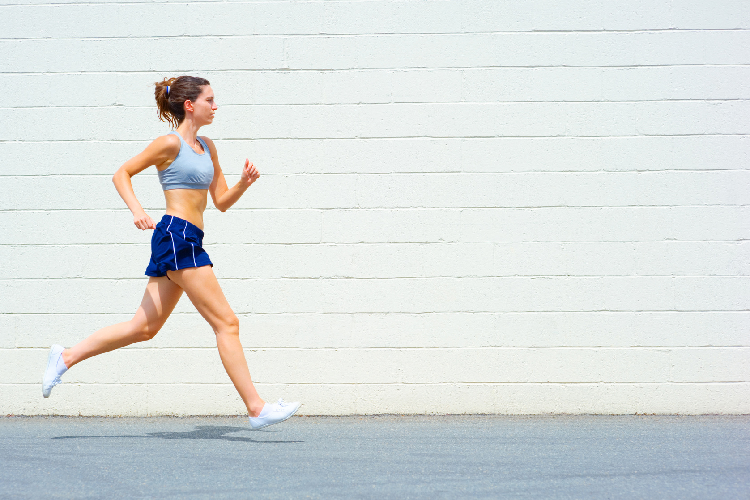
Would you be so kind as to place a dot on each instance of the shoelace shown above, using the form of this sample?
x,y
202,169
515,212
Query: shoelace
x,y
56,381
279,404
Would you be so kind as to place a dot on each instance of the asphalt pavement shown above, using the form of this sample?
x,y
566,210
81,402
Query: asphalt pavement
x,y
576,457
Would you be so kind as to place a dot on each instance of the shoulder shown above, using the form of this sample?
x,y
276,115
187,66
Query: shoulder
x,y
169,141
167,144
162,150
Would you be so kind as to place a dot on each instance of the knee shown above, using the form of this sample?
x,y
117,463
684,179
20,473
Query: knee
x,y
228,326
143,331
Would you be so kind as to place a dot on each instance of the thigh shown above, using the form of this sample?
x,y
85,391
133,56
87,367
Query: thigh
x,y
159,300
203,290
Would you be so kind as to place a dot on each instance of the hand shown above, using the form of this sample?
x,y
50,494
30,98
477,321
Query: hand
x,y
249,174
143,221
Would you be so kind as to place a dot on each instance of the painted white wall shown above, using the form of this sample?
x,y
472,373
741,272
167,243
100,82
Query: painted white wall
x,y
465,206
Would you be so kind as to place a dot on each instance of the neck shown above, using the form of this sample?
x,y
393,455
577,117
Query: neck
x,y
188,129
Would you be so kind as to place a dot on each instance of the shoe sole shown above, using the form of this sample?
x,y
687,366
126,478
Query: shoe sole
x,y
274,423
47,393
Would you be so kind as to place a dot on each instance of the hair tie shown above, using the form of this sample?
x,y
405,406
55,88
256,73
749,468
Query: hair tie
x,y
167,90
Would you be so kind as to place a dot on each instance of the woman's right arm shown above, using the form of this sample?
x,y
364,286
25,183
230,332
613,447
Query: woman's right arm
x,y
160,151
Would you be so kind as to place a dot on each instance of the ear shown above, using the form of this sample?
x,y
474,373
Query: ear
x,y
188,106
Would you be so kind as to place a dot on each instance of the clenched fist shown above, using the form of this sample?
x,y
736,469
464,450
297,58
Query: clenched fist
x,y
143,221
249,174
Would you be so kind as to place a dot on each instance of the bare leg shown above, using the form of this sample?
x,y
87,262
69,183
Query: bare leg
x,y
159,300
204,292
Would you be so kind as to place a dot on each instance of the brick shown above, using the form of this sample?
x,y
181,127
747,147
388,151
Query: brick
x,y
203,366
338,399
658,258
544,154
417,226
415,85
483,15
632,83
563,365
235,18
552,154
671,82
603,224
104,158
708,258
389,260
712,292
553,189
9,325
709,364
116,226
533,119
379,51
660,398
401,295
366,366
275,191
111,400
94,54
42,330
405,330
520,49
458,190
381,17
611,329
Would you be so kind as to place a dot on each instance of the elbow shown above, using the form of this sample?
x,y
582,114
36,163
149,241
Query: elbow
x,y
220,205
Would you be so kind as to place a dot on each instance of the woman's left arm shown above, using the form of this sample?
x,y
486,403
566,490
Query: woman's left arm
x,y
223,196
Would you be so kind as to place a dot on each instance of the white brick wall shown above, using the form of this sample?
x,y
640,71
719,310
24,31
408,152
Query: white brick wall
x,y
465,205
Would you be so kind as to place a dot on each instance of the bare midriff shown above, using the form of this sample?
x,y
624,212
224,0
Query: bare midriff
x,y
187,204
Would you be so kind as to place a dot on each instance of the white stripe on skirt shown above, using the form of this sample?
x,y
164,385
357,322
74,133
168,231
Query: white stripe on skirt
x,y
193,246
174,250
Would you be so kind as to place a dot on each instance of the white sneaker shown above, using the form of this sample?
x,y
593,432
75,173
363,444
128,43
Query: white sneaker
x,y
273,414
52,374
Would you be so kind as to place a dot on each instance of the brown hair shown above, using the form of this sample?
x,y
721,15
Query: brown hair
x,y
181,89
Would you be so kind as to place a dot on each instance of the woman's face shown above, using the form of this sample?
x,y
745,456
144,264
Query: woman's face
x,y
204,106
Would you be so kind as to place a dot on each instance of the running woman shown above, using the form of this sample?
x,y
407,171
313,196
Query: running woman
x,y
188,169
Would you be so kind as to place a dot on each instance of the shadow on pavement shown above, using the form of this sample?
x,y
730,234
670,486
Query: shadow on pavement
x,y
201,432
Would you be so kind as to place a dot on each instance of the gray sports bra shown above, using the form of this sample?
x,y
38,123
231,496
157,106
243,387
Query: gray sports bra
x,y
189,170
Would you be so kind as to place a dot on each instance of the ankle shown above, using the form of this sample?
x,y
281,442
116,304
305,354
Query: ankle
x,y
255,408
67,358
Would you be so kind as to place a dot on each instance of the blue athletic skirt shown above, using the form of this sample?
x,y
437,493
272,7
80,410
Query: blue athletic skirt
x,y
176,244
